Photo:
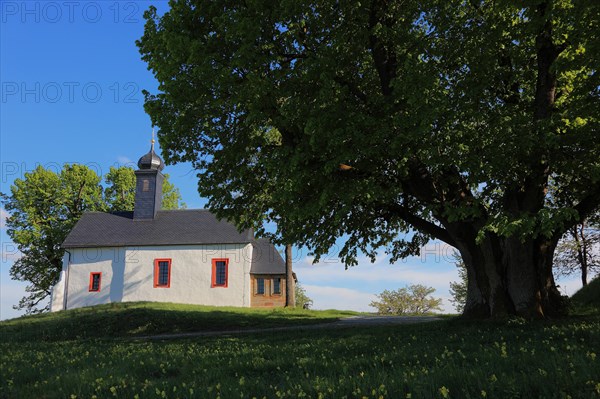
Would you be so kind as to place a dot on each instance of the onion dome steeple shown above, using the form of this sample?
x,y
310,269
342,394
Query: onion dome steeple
x,y
148,186
151,161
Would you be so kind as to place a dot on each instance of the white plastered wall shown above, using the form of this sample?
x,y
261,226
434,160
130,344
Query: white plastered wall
x,y
57,301
108,261
128,275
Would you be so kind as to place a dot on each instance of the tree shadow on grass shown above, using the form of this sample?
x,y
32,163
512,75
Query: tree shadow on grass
x,y
121,320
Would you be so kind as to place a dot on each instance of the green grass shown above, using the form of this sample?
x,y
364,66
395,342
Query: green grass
x,y
444,359
150,318
588,296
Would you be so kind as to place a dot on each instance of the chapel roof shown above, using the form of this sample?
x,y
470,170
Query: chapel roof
x,y
169,227
265,258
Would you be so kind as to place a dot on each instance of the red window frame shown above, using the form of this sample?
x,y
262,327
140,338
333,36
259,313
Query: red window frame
x,y
157,273
214,272
91,287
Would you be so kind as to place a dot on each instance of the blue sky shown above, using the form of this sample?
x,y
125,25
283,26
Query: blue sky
x,y
71,92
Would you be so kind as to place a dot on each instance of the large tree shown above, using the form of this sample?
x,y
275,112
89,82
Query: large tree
x,y
458,289
373,119
44,206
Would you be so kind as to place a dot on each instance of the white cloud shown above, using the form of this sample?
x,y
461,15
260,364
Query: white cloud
x,y
3,215
437,251
330,285
447,306
433,252
400,274
569,285
125,161
328,297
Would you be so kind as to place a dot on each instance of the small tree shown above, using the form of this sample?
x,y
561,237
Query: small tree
x,y
302,299
579,250
458,289
119,193
43,208
414,299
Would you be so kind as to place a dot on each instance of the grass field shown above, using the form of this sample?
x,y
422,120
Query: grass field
x,y
52,356
120,320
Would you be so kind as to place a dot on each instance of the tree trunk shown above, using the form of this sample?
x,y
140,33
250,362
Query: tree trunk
x,y
290,297
583,254
584,274
509,277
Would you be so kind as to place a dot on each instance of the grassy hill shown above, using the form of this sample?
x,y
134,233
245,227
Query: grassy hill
x,y
588,296
92,353
133,319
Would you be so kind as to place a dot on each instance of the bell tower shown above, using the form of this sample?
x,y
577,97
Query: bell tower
x,y
148,190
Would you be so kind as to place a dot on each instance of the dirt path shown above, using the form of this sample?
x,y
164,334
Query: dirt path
x,y
354,321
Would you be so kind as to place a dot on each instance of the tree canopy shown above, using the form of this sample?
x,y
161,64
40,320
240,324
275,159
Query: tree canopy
x,y
119,193
44,206
372,120
411,300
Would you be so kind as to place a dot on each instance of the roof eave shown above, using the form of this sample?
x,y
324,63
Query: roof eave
x,y
120,245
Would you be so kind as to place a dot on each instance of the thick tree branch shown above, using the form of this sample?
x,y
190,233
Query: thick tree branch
x,y
421,224
427,189
547,53
511,90
77,201
288,58
384,59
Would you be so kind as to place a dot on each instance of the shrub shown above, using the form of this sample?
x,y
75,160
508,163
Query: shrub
x,y
414,299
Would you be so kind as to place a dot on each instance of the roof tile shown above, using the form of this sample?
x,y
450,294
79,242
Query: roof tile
x,y
174,227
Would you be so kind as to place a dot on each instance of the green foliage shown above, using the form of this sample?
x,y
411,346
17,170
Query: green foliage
x,y
411,300
458,289
171,198
44,207
302,299
390,123
364,119
119,193
557,359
